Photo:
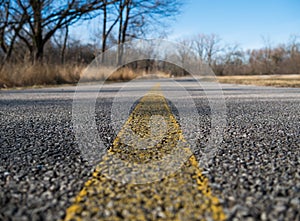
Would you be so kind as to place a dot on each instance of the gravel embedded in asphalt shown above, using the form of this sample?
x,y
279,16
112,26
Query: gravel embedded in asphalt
x,y
255,173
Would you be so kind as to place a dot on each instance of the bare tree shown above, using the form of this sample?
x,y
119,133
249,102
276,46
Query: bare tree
x,y
230,61
267,55
207,46
293,49
137,17
61,40
10,26
198,42
107,24
184,50
212,46
63,49
43,18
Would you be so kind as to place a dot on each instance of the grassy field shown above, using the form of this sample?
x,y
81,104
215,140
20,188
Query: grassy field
x,y
263,80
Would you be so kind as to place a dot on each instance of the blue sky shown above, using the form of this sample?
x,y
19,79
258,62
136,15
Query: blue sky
x,y
235,21
240,21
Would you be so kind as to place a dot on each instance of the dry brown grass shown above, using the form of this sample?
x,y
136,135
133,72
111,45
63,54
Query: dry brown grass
x,y
123,74
17,75
263,80
22,75
107,74
155,75
13,75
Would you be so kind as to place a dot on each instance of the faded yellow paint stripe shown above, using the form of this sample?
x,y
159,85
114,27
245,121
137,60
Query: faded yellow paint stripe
x,y
182,195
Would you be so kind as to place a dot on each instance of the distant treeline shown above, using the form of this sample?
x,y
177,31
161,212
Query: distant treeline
x,y
231,59
224,59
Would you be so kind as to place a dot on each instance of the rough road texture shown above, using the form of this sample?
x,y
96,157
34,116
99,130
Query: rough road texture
x,y
255,173
149,173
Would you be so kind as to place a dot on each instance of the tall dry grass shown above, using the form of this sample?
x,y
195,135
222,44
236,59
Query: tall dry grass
x,y
20,75
263,80
108,74
16,75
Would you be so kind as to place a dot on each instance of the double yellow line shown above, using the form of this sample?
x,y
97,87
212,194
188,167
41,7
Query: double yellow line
x,y
145,148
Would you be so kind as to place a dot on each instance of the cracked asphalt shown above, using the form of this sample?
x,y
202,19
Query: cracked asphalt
x,y
255,171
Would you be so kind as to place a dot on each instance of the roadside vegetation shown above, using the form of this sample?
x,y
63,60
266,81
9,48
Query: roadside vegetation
x,y
262,80
36,47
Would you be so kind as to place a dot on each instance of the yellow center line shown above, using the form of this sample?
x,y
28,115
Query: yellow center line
x,y
150,138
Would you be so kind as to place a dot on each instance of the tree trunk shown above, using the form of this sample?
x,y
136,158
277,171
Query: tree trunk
x,y
38,31
63,50
119,52
123,29
39,54
104,34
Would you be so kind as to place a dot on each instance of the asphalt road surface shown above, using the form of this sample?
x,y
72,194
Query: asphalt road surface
x,y
253,174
